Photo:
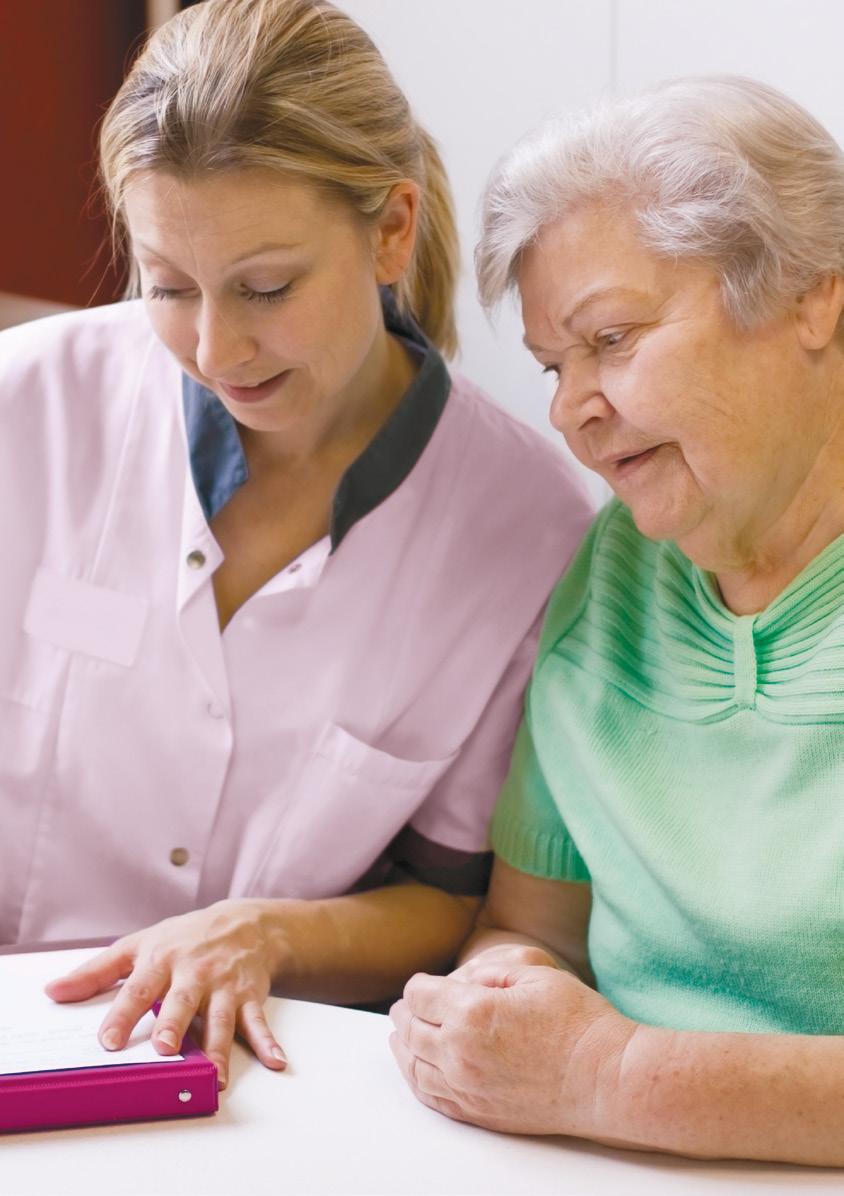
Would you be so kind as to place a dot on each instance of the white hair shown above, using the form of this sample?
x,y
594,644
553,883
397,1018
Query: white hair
x,y
718,168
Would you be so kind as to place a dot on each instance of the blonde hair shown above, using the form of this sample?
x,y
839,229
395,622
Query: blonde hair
x,y
719,168
297,87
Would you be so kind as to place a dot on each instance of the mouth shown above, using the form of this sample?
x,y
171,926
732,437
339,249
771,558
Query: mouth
x,y
622,466
254,394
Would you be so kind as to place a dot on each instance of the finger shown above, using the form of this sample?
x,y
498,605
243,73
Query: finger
x,y
220,1021
255,1030
178,1009
490,975
94,976
422,1076
434,998
467,972
145,986
448,1108
421,1038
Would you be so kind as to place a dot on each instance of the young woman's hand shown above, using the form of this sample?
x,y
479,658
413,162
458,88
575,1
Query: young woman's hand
x,y
214,963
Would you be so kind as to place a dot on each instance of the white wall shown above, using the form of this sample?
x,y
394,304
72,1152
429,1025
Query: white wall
x,y
479,73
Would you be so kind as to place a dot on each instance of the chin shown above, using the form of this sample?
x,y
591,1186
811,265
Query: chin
x,y
660,521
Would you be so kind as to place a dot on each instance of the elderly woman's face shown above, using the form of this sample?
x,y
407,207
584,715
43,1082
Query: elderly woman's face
x,y
701,429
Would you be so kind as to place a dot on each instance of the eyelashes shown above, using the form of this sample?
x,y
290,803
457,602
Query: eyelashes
x,y
251,296
266,296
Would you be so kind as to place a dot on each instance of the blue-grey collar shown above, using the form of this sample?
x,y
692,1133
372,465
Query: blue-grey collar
x,y
218,463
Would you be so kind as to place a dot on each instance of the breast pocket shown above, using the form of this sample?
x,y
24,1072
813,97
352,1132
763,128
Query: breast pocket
x,y
348,802
81,617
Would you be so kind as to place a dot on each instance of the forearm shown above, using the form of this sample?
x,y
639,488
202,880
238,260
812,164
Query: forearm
x,y
569,958
363,947
484,937
531,911
749,1096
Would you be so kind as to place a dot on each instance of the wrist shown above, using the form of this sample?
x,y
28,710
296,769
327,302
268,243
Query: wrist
x,y
611,1045
628,1110
279,921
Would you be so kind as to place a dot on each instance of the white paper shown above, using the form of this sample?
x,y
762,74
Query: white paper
x,y
36,1034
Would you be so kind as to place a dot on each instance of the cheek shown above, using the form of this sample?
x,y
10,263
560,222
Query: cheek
x,y
173,328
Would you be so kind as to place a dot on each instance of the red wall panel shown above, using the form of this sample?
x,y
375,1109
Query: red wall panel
x,y
60,63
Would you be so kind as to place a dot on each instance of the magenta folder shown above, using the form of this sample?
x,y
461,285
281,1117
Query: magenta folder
x,y
172,1088
87,1096
43,1100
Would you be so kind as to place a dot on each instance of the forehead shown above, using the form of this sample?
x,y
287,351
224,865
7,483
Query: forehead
x,y
590,251
225,213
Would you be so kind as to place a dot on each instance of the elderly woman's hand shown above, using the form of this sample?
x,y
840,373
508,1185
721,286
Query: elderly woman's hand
x,y
213,962
517,1047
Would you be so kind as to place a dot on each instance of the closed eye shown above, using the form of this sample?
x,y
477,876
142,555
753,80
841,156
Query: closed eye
x,y
156,292
265,296
252,296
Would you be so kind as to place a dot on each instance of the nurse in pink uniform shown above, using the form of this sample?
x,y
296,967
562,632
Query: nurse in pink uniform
x,y
272,577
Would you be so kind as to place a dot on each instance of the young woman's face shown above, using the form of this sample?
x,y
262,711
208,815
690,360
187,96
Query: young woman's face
x,y
263,288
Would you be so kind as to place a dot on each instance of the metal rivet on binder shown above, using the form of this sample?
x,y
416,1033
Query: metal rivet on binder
x,y
185,1095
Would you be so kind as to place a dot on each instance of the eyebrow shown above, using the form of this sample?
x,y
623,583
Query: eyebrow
x,y
265,247
586,301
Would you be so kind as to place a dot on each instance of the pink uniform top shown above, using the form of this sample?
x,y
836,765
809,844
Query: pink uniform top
x,y
360,707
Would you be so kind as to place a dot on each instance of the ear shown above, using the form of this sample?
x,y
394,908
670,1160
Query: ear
x,y
818,311
394,234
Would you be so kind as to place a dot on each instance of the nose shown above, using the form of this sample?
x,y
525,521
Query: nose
x,y
578,397
223,344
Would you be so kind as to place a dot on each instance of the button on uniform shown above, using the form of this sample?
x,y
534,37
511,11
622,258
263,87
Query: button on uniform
x,y
195,559
179,856
216,710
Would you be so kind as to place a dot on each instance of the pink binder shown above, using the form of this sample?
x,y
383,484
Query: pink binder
x,y
43,1100
185,1087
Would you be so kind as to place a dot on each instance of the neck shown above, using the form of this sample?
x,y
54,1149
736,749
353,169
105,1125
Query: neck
x,y
347,426
765,561
751,588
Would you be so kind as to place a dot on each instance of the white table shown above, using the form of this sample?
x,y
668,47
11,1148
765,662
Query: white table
x,y
342,1121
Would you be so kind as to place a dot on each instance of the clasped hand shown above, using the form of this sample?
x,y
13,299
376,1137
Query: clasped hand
x,y
212,963
512,1043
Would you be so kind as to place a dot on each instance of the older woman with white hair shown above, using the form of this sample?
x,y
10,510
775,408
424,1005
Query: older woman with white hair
x,y
659,961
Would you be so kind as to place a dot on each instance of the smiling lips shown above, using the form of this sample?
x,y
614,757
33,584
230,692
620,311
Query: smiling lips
x,y
253,394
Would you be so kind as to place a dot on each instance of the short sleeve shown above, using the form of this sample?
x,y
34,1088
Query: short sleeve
x,y
528,832
446,842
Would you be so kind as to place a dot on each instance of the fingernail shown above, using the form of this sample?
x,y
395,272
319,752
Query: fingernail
x,y
168,1038
278,1053
111,1040
222,1080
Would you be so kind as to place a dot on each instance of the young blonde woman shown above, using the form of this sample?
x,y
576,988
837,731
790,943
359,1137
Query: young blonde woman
x,y
272,576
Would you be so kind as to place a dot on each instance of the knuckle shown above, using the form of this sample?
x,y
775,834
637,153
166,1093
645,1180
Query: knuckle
x,y
156,960
222,1018
477,1012
413,1071
462,1074
202,973
185,997
139,989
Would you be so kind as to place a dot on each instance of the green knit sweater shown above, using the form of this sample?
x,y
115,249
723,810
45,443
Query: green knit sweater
x,y
690,763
